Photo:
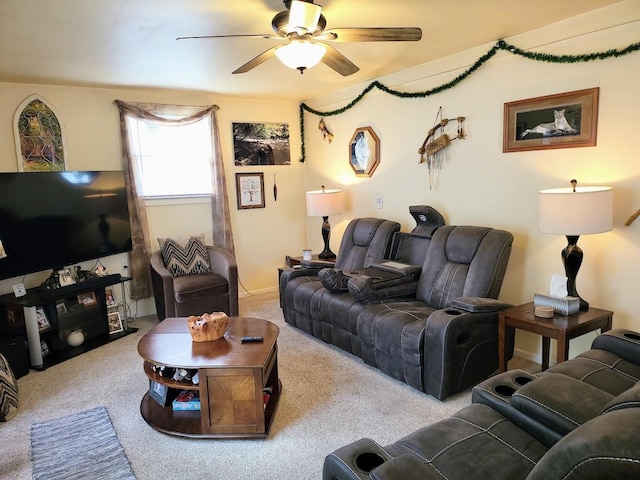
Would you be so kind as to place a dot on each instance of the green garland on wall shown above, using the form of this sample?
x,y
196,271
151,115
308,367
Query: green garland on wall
x,y
500,45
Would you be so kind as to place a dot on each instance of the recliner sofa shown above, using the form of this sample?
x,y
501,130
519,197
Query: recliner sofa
x,y
577,420
434,325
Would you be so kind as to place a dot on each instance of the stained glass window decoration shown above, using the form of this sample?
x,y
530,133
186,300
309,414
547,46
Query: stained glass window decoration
x,y
39,137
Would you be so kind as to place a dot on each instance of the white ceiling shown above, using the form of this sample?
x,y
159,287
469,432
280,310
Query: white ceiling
x,y
132,43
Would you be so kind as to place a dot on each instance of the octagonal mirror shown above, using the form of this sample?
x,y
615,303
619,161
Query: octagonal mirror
x,y
364,152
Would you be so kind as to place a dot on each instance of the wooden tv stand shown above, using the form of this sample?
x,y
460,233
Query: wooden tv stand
x,y
232,377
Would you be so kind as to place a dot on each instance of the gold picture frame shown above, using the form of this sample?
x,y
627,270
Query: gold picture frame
x,y
562,120
364,152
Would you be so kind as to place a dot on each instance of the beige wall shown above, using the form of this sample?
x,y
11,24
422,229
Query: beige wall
x,y
90,121
478,184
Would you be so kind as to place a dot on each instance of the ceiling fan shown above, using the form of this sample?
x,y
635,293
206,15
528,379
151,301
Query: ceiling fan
x,y
302,26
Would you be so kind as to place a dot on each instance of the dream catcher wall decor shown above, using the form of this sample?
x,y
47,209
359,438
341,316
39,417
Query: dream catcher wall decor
x,y
432,151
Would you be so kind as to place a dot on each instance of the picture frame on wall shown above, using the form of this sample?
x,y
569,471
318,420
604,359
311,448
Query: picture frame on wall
x,y
39,135
250,190
261,144
364,152
562,120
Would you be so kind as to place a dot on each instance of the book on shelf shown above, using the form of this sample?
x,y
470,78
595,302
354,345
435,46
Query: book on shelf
x,y
187,400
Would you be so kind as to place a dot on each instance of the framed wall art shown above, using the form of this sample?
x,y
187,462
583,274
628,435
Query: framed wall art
x,y
250,190
563,120
261,144
364,152
39,135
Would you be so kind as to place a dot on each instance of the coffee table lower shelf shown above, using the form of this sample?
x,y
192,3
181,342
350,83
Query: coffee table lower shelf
x,y
188,423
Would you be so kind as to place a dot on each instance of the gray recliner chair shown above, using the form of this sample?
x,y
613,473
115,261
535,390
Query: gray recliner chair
x,y
196,294
444,338
365,241
577,422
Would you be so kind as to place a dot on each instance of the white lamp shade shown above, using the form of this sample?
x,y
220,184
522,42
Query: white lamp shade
x,y
301,54
322,203
584,211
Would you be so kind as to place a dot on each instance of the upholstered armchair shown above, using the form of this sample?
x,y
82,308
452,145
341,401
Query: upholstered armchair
x,y
195,294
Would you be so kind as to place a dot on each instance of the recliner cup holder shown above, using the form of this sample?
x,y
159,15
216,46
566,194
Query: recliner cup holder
x,y
367,461
522,380
631,336
504,390
451,311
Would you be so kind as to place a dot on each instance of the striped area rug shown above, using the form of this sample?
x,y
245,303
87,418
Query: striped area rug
x,y
80,446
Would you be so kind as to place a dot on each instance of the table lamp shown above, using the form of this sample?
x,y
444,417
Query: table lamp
x,y
575,211
322,203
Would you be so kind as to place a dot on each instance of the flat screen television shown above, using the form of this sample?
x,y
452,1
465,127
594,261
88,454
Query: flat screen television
x,y
50,220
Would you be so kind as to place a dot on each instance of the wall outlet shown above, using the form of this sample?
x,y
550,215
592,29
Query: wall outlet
x,y
124,266
379,202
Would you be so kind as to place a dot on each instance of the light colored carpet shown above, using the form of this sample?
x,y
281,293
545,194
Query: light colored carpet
x,y
330,398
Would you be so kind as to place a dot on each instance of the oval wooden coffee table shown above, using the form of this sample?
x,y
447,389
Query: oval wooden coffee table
x,y
233,379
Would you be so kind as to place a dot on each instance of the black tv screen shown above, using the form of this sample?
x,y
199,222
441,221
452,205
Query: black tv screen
x,y
50,220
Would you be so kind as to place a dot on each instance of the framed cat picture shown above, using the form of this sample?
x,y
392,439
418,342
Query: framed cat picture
x,y
562,120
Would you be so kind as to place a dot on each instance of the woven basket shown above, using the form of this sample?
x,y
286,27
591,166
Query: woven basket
x,y
208,327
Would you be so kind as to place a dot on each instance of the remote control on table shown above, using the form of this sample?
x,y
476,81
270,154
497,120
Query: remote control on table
x,y
251,339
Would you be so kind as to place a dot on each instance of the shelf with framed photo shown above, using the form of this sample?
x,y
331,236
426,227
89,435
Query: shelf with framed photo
x,y
52,321
116,304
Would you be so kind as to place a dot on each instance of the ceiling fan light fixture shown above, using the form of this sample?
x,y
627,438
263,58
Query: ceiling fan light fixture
x,y
304,15
301,54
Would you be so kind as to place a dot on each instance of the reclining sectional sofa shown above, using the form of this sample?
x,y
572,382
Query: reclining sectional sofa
x,y
579,419
420,306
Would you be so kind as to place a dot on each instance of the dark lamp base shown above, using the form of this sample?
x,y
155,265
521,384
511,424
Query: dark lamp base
x,y
327,255
572,259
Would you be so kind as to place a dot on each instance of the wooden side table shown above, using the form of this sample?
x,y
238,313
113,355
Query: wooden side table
x,y
561,327
290,261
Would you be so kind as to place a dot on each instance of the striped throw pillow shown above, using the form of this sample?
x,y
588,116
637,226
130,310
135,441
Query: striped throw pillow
x,y
185,255
8,391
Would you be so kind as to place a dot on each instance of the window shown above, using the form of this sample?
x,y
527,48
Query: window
x,y
174,160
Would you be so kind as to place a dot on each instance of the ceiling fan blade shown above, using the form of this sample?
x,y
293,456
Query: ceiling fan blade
x,y
254,62
257,35
373,34
341,64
